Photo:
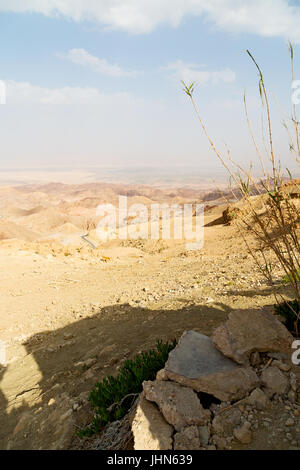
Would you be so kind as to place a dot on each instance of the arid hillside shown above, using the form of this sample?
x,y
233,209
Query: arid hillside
x,y
37,212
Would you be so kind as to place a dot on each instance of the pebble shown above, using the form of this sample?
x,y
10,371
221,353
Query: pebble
x,y
68,336
290,422
66,415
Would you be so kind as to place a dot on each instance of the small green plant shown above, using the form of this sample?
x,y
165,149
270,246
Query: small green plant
x,y
114,396
288,279
289,310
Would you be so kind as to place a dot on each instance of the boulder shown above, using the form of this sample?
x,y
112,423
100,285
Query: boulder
x,y
250,331
179,405
149,429
187,439
196,363
274,381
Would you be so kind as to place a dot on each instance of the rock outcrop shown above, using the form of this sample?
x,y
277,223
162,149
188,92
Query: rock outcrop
x,y
208,396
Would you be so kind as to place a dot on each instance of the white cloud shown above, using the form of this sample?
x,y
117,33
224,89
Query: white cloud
x,y
26,93
102,66
190,73
263,17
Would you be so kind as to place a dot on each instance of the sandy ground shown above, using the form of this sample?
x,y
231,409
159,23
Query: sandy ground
x,y
102,306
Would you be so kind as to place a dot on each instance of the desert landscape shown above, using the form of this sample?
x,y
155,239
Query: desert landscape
x,y
72,313
149,229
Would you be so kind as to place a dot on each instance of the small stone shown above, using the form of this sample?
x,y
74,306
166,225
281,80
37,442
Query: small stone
x,y
51,402
90,362
255,359
89,374
68,336
292,396
258,399
161,375
187,439
243,433
274,381
204,435
66,415
294,385
282,366
220,442
224,423
79,364
290,422
21,423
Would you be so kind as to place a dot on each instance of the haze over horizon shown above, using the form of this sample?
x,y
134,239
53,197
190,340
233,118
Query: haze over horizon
x,y
98,84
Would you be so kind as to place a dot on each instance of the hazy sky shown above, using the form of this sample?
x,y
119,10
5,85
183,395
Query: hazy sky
x,y
97,82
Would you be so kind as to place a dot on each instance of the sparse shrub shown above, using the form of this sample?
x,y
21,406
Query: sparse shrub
x,y
114,396
270,229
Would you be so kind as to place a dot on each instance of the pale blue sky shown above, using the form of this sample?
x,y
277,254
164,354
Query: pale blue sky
x,y
97,83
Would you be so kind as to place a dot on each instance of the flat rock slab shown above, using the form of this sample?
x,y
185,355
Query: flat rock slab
x,y
196,363
248,331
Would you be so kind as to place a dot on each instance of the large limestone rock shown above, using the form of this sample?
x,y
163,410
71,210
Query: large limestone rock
x,y
149,429
179,405
196,363
246,332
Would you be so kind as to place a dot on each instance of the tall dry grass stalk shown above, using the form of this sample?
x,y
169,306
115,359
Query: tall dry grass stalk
x,y
270,221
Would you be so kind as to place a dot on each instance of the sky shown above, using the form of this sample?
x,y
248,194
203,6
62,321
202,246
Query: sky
x,y
95,83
